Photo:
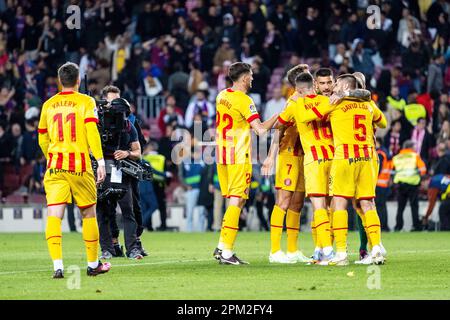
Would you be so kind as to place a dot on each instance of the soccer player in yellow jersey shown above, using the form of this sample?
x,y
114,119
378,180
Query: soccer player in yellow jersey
x,y
236,114
317,141
67,131
352,170
290,186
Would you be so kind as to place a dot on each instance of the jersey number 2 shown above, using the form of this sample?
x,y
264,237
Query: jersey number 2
x,y
58,118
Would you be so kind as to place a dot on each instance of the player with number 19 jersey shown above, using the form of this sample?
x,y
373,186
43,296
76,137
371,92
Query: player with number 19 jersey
x,y
62,129
235,112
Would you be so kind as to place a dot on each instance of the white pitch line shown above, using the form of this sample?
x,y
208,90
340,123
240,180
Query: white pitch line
x,y
114,266
390,253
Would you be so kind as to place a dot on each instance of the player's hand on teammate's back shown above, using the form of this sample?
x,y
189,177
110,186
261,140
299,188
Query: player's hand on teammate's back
x,y
120,154
267,167
335,98
101,174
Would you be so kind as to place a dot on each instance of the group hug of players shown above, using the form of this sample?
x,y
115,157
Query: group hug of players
x,y
324,149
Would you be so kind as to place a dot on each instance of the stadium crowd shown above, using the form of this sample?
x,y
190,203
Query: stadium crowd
x,y
179,52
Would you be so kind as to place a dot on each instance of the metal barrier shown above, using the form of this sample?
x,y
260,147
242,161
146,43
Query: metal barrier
x,y
150,107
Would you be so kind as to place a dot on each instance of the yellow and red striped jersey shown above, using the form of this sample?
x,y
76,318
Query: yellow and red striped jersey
x,y
316,135
234,112
352,123
63,119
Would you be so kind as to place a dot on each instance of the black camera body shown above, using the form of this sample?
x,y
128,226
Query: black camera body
x,y
112,123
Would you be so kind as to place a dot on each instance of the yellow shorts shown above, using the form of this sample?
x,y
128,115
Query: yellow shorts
x,y
317,175
355,180
289,174
234,179
61,185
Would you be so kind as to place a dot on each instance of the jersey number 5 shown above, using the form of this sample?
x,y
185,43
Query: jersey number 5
x,y
58,118
359,126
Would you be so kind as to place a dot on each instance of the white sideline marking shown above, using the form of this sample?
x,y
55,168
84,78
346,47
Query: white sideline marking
x,y
114,266
390,254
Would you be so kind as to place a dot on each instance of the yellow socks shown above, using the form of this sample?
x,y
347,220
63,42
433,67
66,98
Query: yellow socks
x,y
330,218
276,228
90,237
322,227
314,233
340,229
292,230
363,220
373,227
230,227
53,235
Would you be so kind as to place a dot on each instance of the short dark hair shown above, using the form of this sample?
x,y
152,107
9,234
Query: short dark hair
x,y
304,77
110,89
349,79
323,72
294,72
237,69
68,74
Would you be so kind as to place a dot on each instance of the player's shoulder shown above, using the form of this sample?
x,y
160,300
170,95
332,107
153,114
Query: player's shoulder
x,y
84,97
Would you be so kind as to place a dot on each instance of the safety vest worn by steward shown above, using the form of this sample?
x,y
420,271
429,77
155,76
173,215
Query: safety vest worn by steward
x,y
414,111
192,174
396,104
385,174
157,162
408,167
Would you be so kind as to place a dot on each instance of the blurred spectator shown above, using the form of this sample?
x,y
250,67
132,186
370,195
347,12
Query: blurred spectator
x,y
422,139
261,78
17,144
362,58
383,183
435,74
195,78
222,77
272,45
392,140
309,32
170,115
178,85
101,74
224,53
152,86
274,105
190,173
200,106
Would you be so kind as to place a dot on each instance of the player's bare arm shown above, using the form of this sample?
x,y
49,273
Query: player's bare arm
x,y
360,94
261,128
268,164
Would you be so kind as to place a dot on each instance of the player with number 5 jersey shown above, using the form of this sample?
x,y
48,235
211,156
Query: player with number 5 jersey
x,y
236,115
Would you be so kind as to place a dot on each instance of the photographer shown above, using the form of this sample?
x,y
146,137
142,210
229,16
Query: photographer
x,y
121,145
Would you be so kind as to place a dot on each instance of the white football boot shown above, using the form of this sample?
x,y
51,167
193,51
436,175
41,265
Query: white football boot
x,y
298,256
340,259
279,257
377,255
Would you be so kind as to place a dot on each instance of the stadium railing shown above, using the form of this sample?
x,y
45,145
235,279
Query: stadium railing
x,y
150,107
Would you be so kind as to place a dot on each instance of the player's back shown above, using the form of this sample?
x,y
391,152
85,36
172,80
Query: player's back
x,y
352,126
316,135
63,117
234,112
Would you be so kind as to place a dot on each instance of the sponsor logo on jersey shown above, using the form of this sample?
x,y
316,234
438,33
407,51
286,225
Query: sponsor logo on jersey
x,y
253,108
287,182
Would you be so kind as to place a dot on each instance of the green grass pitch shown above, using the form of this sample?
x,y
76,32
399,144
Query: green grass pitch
x,y
180,266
